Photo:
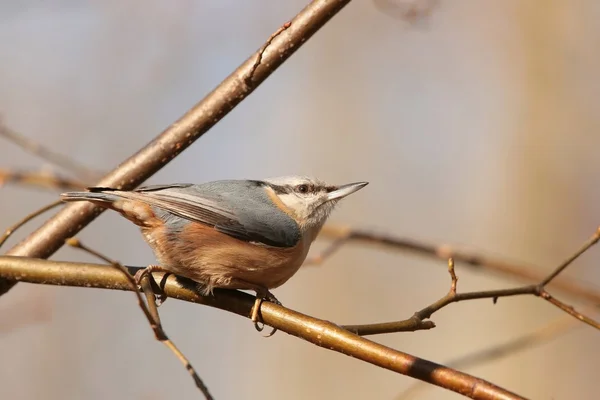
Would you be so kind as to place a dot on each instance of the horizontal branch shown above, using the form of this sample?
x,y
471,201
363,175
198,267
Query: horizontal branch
x,y
38,179
149,309
521,272
58,159
319,332
418,320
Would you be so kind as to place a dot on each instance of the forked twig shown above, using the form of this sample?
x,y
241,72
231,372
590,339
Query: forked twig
x,y
419,320
150,311
526,273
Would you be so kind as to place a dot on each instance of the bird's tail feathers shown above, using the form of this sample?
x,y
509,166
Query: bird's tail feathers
x,y
100,195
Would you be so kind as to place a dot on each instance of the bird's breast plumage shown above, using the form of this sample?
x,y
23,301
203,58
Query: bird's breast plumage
x,y
201,253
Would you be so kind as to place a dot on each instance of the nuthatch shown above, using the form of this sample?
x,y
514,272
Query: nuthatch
x,y
233,234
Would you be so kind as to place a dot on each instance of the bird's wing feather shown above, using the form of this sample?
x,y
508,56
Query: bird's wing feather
x,y
187,202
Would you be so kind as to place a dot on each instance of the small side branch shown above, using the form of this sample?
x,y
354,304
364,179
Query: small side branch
x,y
150,312
342,235
419,320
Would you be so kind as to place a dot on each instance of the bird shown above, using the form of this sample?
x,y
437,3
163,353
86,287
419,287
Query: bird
x,y
229,234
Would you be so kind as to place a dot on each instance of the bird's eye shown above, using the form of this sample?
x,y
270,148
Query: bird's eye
x,y
302,188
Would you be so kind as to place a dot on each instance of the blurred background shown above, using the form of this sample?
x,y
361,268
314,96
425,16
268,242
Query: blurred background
x,y
475,125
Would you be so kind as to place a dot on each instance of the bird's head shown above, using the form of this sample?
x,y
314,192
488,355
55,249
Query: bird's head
x,y
309,200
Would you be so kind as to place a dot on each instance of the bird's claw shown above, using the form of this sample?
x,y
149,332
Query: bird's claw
x,y
159,294
256,317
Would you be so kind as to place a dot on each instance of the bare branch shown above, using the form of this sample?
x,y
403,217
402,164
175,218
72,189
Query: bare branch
x,y
322,333
568,309
538,337
522,272
585,247
41,179
150,311
51,236
45,153
418,320
453,277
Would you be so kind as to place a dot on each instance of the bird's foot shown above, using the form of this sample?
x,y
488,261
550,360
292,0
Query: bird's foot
x,y
159,293
261,295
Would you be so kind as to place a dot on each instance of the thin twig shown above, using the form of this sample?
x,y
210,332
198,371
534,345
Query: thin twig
x,y
418,320
41,179
9,231
453,277
585,247
146,286
319,332
76,243
143,164
150,311
161,335
522,272
569,309
35,148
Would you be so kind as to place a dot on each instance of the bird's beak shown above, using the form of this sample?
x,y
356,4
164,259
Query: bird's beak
x,y
344,190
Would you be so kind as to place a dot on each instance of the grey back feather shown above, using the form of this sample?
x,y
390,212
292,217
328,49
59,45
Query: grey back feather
x,y
239,208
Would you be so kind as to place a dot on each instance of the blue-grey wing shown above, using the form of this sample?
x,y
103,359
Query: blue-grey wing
x,y
240,209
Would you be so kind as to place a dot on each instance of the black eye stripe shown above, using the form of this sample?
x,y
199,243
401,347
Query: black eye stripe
x,y
311,188
277,188
306,188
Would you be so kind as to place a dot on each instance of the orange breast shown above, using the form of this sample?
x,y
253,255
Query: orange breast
x,y
205,255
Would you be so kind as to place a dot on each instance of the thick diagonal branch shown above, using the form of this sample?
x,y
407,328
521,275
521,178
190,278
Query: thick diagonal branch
x,y
66,223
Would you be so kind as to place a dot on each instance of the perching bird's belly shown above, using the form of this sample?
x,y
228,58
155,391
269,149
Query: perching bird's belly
x,y
222,261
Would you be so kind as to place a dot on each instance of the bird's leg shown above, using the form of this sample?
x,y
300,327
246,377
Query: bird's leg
x,y
161,297
261,295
